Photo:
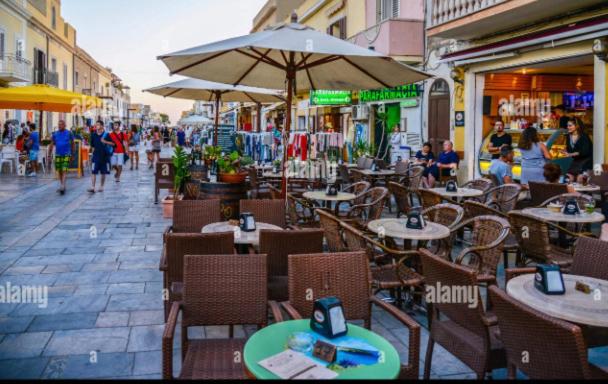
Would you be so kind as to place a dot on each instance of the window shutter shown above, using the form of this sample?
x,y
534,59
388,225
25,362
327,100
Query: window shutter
x,y
378,11
1,44
395,9
342,24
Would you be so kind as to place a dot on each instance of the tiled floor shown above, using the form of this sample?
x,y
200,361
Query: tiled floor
x,y
98,255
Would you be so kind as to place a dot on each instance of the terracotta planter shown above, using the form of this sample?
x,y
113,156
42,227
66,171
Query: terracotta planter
x,y
167,203
236,178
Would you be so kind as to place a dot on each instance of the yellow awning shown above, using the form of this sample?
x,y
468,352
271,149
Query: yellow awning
x,y
45,98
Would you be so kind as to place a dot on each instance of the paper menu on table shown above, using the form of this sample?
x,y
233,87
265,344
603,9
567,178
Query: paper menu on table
x,y
291,365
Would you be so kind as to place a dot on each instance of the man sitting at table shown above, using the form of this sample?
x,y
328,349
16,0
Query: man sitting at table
x,y
447,164
501,167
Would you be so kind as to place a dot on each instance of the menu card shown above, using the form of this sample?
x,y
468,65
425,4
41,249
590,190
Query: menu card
x,y
291,365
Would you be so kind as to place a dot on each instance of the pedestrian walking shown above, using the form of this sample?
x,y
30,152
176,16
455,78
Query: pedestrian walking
x,y
134,141
34,148
100,165
156,145
181,137
119,144
63,143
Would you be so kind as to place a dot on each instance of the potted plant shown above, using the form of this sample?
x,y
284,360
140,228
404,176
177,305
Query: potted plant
x,y
180,160
211,154
231,168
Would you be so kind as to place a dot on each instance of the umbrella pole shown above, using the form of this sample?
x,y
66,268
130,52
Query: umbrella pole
x,y
218,96
291,75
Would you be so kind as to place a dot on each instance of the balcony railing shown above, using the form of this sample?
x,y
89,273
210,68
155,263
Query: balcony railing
x,y
443,11
14,68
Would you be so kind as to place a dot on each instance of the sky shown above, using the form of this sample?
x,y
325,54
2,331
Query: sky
x,y
128,35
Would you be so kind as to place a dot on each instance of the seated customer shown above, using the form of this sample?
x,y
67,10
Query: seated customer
x,y
425,158
446,164
552,173
501,167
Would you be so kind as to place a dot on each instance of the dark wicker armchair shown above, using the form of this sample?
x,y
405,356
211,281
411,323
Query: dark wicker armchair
x,y
429,198
301,212
555,349
503,198
345,178
483,185
330,225
403,198
449,215
218,290
462,326
277,245
358,189
275,193
346,276
374,201
177,245
190,216
258,189
541,192
266,211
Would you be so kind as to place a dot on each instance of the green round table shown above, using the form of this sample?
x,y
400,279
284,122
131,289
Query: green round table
x,y
272,340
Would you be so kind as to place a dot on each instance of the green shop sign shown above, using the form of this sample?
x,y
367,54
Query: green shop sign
x,y
403,92
325,97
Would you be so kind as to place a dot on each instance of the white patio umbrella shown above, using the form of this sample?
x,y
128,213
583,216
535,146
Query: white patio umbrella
x,y
195,89
295,57
195,120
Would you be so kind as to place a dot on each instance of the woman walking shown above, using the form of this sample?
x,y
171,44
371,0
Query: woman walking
x,y
156,145
534,155
134,141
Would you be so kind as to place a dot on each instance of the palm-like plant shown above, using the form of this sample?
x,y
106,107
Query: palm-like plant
x,y
181,161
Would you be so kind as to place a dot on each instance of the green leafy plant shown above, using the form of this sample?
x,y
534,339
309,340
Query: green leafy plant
x,y
212,153
362,149
181,162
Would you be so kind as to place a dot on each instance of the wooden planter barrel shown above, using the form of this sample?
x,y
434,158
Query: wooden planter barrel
x,y
229,195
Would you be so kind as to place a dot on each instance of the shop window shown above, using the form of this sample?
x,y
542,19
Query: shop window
x,y
54,18
338,29
439,88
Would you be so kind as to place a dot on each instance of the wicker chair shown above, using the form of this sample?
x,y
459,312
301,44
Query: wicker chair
x,y
369,161
504,197
402,168
346,276
413,178
482,184
357,175
473,209
358,189
345,177
449,215
541,192
301,213
555,348
390,270
403,198
429,199
462,327
258,189
374,199
266,211
534,240
177,245
330,225
361,162
275,193
190,216
277,245
218,290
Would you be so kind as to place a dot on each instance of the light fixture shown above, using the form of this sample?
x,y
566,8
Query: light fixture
x,y
600,49
457,74
524,71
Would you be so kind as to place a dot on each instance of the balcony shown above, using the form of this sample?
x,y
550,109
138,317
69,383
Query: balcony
x,y
52,78
470,19
400,39
15,69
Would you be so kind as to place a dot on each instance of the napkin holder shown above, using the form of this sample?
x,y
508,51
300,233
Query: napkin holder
x,y
331,190
415,220
374,167
451,187
328,318
571,208
247,222
549,280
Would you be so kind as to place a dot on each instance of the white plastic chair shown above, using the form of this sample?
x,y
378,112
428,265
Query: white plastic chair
x,y
8,156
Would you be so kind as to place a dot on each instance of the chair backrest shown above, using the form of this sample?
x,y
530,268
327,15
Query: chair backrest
x,y
402,197
357,175
504,197
553,349
190,216
449,215
344,174
277,245
377,198
358,189
532,235
299,211
541,192
590,258
580,199
402,167
253,177
414,178
600,180
464,306
343,275
266,211
489,231
369,161
177,245
361,162
381,164
429,198
483,185
275,193
225,290
330,225
473,209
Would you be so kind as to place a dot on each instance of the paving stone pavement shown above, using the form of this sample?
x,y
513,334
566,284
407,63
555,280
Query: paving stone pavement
x,y
98,256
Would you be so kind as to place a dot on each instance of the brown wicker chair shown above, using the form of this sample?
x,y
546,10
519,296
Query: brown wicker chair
x,y
275,193
429,199
301,213
556,349
358,189
266,211
533,237
177,245
346,276
403,198
462,327
258,190
449,215
357,176
345,177
504,197
473,209
190,216
218,290
330,225
374,198
541,192
361,162
482,184
413,178
277,245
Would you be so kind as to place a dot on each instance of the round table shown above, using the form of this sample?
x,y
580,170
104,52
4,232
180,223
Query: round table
x,y
549,215
272,340
272,175
574,306
459,194
586,188
396,228
381,173
240,237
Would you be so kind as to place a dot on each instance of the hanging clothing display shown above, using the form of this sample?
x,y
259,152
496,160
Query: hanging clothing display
x,y
259,146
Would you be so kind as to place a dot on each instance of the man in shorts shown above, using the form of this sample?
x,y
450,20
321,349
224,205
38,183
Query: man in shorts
x,y
34,145
101,159
120,144
62,141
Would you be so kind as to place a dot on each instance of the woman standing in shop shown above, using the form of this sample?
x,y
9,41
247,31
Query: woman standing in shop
x,y
580,148
534,155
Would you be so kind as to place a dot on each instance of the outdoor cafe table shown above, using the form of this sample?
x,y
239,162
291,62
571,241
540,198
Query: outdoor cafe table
x,y
240,237
575,306
396,228
380,173
272,340
322,196
461,193
586,188
548,215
